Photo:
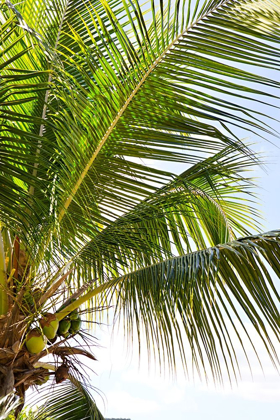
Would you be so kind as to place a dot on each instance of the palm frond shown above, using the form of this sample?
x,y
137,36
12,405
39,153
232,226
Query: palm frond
x,y
24,80
7,405
207,298
206,205
171,101
71,401
201,202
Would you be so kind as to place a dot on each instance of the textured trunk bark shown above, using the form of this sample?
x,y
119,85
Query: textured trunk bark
x,y
7,381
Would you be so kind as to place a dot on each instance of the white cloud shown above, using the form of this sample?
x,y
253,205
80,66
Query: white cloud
x,y
124,404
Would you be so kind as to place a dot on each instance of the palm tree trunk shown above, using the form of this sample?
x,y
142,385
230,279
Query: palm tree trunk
x,y
7,381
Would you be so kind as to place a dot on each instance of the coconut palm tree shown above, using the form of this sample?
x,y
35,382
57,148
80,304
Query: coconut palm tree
x,y
97,99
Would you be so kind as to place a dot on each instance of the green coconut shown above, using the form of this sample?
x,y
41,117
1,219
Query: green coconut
x,y
35,341
53,340
74,314
64,326
75,325
49,325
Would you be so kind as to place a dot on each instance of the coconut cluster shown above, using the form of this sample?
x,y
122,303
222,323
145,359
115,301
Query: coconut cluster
x,y
50,329
37,338
70,325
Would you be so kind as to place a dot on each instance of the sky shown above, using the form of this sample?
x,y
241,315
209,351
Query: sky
x,y
140,393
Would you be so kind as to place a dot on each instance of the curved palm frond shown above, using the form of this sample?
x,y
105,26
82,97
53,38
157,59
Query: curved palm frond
x,y
195,209
206,297
201,294
206,205
159,105
70,401
133,97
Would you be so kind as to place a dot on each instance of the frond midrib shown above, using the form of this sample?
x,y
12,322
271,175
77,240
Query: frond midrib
x,y
44,111
126,104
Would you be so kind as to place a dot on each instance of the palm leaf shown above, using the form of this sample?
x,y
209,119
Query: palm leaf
x,y
199,208
23,83
200,291
69,402
181,117
197,203
111,81
206,298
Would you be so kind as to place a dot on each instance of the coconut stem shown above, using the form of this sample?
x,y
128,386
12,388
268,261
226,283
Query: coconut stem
x,y
7,381
75,305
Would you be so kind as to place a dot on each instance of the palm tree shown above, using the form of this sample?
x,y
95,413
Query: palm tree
x,y
94,95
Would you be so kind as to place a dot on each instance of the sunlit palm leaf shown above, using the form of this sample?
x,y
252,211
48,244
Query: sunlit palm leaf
x,y
167,111
206,297
23,86
69,402
175,219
